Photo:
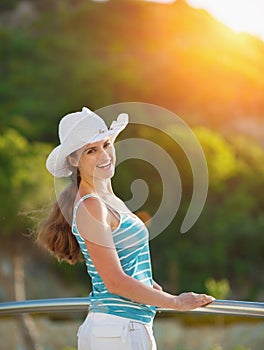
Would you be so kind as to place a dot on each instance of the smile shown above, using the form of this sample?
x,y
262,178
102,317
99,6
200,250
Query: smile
x,y
103,166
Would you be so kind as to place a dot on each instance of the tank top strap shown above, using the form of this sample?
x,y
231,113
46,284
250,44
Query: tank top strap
x,y
82,199
92,195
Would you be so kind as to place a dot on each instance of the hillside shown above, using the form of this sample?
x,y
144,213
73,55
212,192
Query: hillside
x,y
89,53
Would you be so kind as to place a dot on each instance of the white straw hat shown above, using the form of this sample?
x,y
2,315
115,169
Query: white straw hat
x,y
76,130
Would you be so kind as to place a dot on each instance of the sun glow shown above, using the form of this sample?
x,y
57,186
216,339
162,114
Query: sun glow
x,y
240,15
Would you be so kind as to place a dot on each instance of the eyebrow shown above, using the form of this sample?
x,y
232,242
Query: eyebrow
x,y
94,147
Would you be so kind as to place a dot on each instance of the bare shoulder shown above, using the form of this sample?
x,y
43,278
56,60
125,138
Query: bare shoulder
x,y
92,222
92,208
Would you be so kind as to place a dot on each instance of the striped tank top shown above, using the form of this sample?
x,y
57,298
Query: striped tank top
x,y
132,246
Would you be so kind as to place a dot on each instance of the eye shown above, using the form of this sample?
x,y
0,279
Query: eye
x,y
107,144
90,150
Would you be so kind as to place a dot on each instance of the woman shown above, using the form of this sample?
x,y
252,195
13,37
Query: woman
x,y
90,219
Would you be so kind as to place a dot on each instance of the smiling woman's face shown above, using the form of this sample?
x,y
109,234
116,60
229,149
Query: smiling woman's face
x,y
96,160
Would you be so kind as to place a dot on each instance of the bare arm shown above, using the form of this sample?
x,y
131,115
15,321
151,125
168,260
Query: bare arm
x,y
156,285
108,266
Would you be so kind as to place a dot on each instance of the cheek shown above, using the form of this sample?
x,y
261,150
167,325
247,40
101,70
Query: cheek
x,y
112,153
87,163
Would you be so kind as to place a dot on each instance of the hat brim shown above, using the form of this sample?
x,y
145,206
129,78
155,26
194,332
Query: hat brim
x,y
57,163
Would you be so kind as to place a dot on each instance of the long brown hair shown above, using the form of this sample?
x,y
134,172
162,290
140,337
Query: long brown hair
x,y
55,231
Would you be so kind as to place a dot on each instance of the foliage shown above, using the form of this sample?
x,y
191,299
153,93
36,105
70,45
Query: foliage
x,y
221,158
86,53
226,242
24,185
219,289
8,5
77,53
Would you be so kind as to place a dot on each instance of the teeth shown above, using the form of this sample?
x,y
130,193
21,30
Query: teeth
x,y
103,166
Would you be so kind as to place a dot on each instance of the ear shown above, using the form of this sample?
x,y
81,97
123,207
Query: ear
x,y
72,160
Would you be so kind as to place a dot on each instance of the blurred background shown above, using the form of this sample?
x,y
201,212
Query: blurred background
x,y
190,57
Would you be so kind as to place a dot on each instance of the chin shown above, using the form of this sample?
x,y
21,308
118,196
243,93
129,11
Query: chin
x,y
104,176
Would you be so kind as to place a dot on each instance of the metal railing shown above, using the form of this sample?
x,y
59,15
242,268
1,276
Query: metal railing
x,y
226,307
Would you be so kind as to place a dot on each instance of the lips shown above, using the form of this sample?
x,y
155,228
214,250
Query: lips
x,y
104,166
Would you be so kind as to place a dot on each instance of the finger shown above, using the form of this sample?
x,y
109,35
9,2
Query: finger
x,y
208,300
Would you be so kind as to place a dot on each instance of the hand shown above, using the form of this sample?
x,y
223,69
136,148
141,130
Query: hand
x,y
189,301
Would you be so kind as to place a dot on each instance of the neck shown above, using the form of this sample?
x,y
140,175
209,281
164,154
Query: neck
x,y
103,187
97,186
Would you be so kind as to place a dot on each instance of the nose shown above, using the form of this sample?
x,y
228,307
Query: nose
x,y
104,155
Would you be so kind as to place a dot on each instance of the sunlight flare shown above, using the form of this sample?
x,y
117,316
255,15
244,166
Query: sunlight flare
x,y
240,15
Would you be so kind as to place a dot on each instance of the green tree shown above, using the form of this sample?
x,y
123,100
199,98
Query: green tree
x,y
25,184
227,241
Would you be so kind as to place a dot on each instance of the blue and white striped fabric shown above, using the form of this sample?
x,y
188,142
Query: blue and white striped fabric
x,y
131,243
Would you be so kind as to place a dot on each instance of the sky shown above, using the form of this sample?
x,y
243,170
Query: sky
x,y
240,15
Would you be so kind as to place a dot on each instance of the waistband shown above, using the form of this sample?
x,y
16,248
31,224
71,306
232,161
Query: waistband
x,y
109,318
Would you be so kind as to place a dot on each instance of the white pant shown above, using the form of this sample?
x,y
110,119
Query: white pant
x,y
109,332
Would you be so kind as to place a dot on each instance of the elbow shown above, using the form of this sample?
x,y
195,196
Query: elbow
x,y
116,284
